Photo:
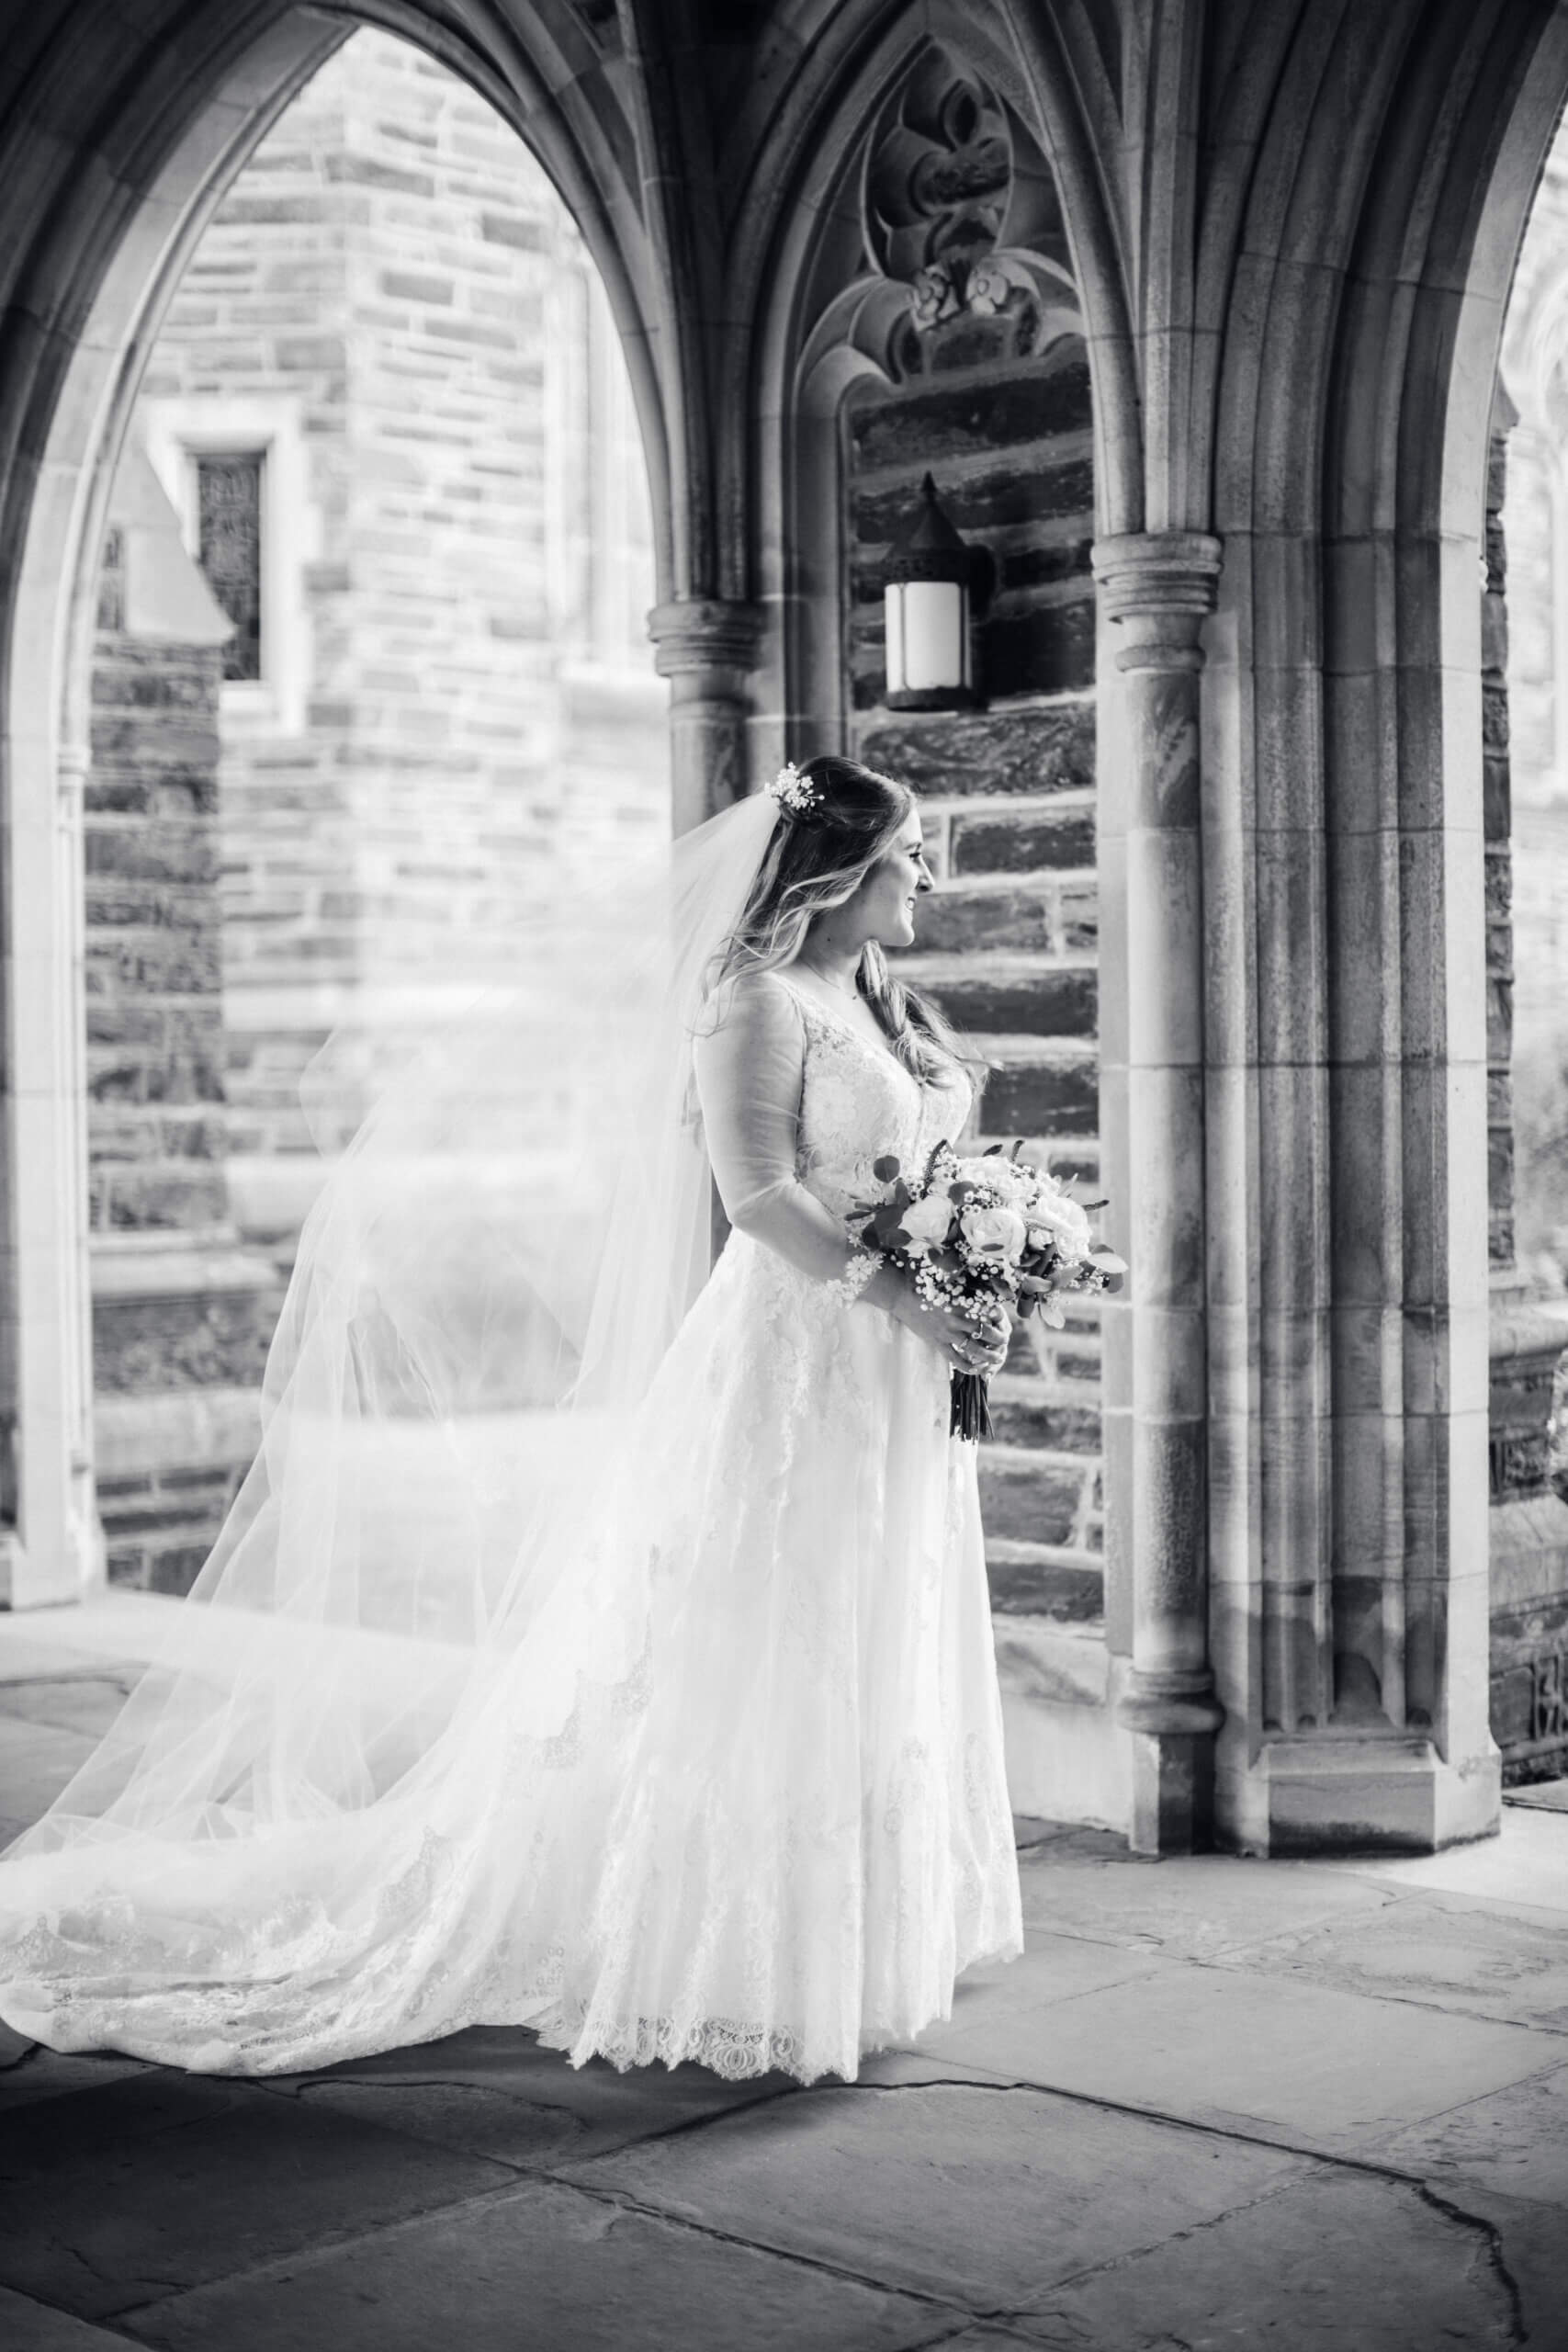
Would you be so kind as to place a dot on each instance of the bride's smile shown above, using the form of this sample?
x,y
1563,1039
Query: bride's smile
x,y
882,908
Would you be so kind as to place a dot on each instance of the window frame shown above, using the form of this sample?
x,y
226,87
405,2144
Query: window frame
x,y
177,432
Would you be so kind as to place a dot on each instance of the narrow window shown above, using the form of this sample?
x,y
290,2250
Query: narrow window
x,y
228,549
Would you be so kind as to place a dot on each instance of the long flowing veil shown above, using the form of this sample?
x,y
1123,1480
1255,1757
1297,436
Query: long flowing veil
x,y
482,1291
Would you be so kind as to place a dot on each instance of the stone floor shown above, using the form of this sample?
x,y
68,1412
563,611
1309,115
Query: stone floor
x,y
1311,2107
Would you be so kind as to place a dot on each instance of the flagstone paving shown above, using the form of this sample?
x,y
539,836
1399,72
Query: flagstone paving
x,y
1305,2107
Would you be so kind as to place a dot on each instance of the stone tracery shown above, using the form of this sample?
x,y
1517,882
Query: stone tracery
x,y
960,217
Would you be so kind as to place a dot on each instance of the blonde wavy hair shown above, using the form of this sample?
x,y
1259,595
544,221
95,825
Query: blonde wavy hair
x,y
818,859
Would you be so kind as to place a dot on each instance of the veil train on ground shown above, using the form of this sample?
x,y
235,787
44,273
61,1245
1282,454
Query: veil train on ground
x,y
483,1289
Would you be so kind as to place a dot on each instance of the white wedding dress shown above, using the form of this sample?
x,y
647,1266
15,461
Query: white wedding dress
x,y
736,1795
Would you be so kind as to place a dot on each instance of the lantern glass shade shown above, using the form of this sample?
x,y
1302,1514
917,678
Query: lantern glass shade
x,y
928,637
925,604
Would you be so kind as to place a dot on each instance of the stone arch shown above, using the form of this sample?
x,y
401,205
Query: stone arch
x,y
83,303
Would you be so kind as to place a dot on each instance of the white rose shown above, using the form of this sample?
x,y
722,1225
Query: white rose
x,y
1062,1220
926,1222
994,1233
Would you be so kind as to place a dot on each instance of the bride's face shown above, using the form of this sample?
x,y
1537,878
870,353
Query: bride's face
x,y
885,899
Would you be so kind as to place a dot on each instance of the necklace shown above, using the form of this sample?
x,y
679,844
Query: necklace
x,y
853,992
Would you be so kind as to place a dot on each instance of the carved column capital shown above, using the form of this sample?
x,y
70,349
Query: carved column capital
x,y
704,634
1160,585
708,648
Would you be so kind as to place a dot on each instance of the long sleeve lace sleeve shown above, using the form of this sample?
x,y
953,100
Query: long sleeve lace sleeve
x,y
750,1070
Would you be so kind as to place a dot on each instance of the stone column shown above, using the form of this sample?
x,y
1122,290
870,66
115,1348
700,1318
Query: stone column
x,y
53,1551
707,648
1155,589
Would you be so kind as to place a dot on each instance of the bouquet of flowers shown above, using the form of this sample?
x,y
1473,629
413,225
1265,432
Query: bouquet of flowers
x,y
990,1235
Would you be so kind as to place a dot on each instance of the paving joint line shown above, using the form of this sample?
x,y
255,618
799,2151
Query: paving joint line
x,y
1495,2253
521,2174
624,2202
1364,2164
61,2310
1316,2159
620,2202
1124,2260
332,2242
964,2316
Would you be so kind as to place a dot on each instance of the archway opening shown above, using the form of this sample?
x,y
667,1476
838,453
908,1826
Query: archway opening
x,y
1531,974
370,675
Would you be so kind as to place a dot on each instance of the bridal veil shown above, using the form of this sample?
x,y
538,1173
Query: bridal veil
x,y
491,1275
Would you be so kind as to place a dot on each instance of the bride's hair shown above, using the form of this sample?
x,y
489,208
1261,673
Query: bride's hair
x,y
818,858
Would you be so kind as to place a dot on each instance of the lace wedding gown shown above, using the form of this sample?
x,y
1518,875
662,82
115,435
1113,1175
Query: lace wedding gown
x,y
736,1796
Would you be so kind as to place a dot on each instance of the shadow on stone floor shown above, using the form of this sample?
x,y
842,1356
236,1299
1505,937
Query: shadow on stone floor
x,y
1319,2108
1216,2103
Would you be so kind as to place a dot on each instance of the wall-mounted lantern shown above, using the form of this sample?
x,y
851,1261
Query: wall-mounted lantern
x,y
931,573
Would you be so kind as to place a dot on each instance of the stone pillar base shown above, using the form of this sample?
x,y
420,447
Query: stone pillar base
x,y
1173,1793
1168,1722
1362,1793
77,1571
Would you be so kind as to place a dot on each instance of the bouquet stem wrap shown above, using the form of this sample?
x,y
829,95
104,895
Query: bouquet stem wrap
x,y
971,1414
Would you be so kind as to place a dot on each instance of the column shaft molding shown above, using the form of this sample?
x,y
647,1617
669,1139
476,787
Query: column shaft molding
x,y
1156,589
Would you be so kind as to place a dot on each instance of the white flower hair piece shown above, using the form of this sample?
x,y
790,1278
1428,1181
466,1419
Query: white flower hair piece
x,y
794,791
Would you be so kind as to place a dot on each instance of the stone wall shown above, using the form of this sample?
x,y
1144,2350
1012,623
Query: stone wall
x,y
155,1002
1009,942
1498,821
393,283
181,1314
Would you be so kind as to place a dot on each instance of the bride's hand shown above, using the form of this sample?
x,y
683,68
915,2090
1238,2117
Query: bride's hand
x,y
968,1343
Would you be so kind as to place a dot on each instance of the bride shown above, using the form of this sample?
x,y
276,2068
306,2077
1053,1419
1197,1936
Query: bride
x,y
605,1641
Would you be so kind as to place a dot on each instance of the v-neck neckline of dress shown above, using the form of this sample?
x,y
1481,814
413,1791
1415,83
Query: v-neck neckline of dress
x,y
884,1051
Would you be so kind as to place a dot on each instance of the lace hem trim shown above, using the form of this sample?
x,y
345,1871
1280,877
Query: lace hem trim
x,y
738,2051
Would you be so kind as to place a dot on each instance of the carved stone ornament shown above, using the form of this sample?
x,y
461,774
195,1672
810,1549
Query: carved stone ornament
x,y
960,222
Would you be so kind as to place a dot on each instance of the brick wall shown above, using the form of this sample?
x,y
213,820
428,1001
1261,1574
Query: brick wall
x,y
1009,942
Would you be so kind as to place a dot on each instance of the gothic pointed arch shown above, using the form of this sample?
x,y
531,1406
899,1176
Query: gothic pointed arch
x,y
922,210
115,204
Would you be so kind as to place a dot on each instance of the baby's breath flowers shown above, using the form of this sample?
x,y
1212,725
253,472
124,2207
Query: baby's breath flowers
x,y
794,791
988,1235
